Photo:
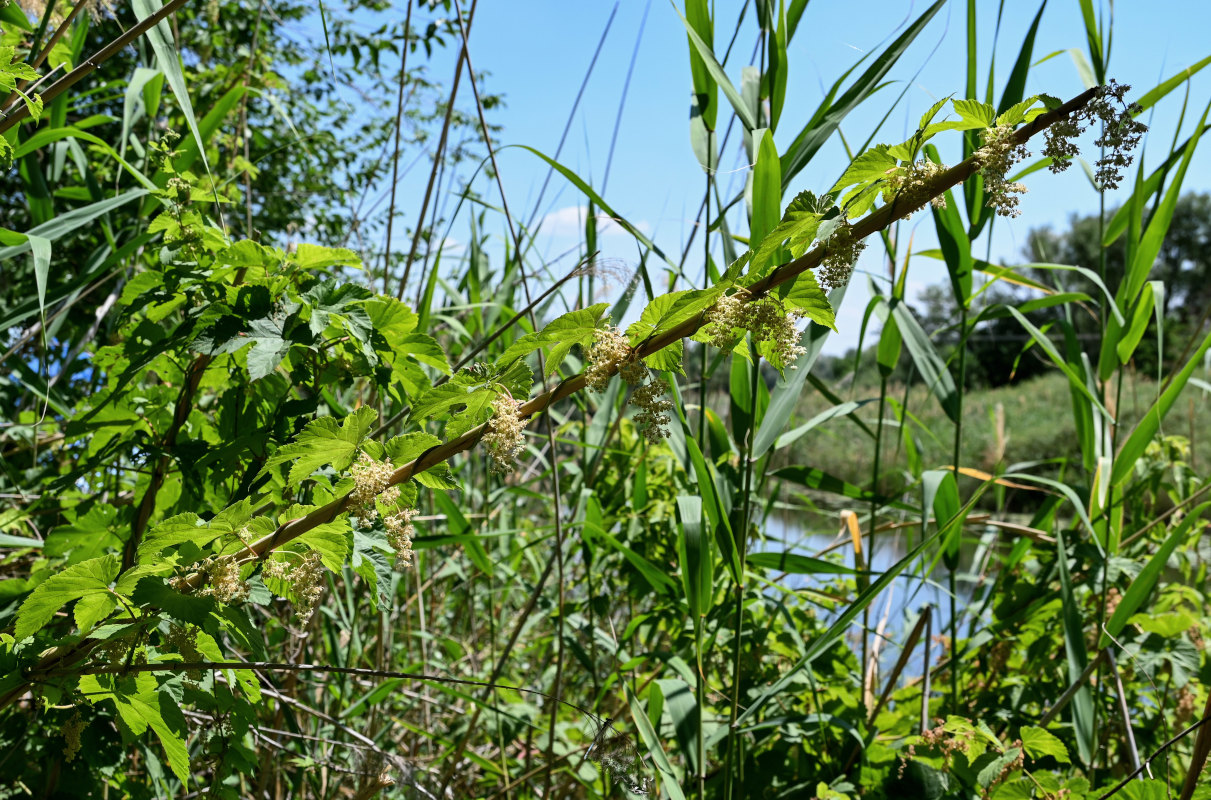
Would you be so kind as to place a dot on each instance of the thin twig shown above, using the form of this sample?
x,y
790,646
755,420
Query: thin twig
x,y
438,160
1158,751
90,64
399,123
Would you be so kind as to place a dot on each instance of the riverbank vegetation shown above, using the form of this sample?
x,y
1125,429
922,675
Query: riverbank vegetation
x,y
300,502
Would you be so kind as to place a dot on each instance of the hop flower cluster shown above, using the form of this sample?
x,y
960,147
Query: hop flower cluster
x,y
504,438
184,639
997,157
728,313
1121,133
944,741
305,580
838,263
399,534
71,736
914,185
371,479
223,580
766,318
654,408
609,350
769,322
114,651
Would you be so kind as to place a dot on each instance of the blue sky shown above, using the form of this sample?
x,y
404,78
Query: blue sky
x,y
536,55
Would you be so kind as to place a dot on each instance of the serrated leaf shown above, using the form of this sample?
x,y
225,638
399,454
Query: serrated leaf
x,y
992,771
332,540
371,563
311,257
324,441
156,593
794,233
174,530
247,253
452,395
518,379
93,608
142,705
670,310
438,477
668,359
341,304
423,348
391,317
1016,114
188,527
975,113
81,580
230,334
558,337
12,70
405,448
476,410
805,296
1038,743
871,166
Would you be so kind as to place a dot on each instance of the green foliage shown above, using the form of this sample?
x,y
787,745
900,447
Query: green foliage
x,y
253,543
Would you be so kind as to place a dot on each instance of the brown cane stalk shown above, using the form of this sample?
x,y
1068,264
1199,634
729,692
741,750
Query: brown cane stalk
x,y
872,223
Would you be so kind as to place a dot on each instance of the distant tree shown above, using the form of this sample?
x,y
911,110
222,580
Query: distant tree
x,y
995,347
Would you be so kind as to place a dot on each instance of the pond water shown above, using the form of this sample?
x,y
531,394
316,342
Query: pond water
x,y
895,611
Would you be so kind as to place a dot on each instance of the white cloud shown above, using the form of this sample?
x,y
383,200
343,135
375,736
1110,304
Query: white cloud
x,y
570,220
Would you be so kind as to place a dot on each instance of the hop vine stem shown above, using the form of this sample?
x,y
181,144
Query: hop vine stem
x,y
870,224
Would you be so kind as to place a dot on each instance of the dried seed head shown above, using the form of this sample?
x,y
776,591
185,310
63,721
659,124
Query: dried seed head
x,y
505,438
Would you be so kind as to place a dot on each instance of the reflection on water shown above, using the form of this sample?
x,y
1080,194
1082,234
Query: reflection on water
x,y
897,609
